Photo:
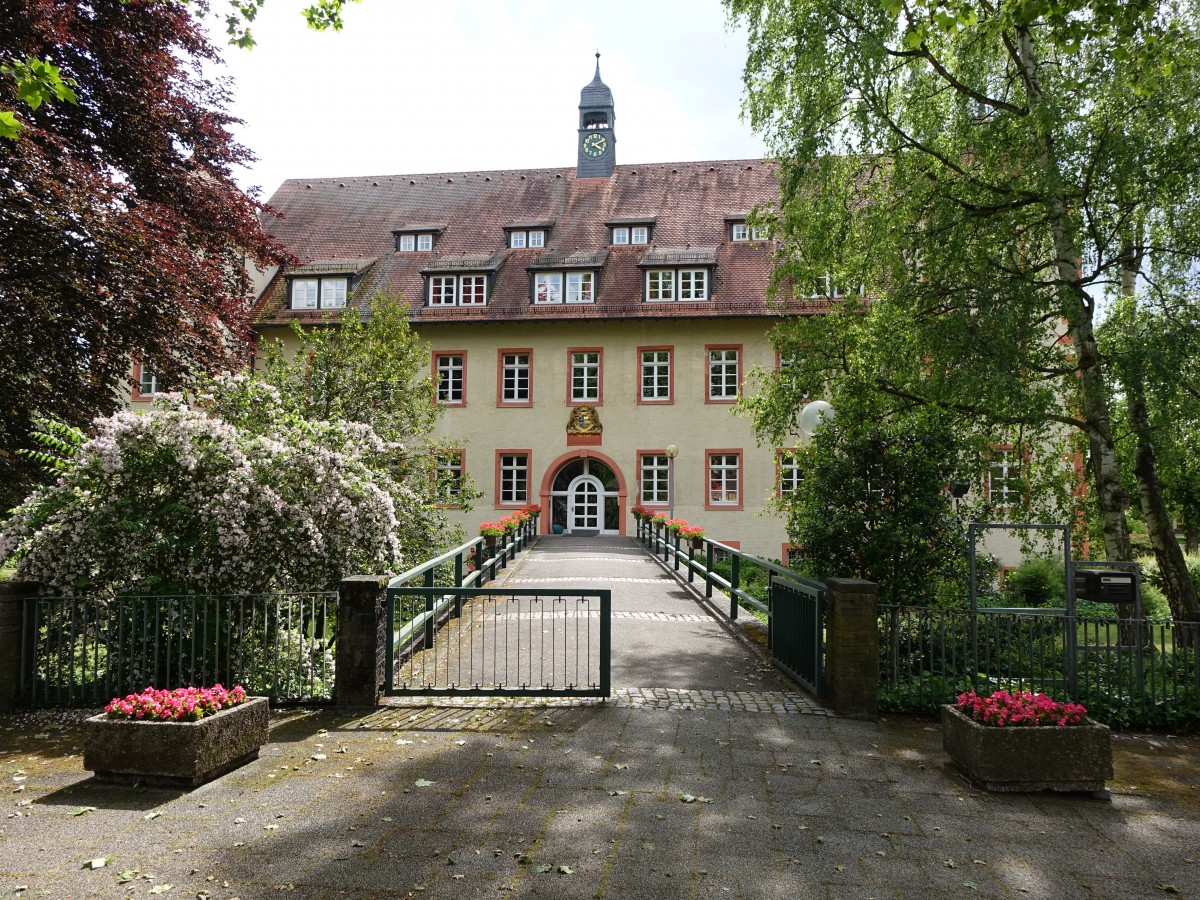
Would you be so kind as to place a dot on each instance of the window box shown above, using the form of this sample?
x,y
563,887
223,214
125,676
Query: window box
x,y
175,754
1040,758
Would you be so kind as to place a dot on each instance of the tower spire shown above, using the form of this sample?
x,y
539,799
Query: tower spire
x,y
597,142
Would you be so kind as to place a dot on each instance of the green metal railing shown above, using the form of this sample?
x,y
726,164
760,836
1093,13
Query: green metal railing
x,y
1128,674
794,605
83,651
463,638
501,641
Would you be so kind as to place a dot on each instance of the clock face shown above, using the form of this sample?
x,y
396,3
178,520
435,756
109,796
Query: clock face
x,y
595,144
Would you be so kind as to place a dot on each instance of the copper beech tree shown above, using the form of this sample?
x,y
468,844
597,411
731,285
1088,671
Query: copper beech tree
x,y
122,234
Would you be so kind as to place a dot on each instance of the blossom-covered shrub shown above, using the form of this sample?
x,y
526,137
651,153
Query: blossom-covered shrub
x,y
238,495
1020,708
691,532
180,705
492,529
676,525
658,519
641,512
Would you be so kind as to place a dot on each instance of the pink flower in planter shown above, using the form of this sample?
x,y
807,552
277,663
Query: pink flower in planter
x,y
178,705
1019,708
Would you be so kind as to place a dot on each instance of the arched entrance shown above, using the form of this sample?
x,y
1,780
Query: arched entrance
x,y
584,495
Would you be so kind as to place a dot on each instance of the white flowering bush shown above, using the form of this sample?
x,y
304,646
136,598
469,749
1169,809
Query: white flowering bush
x,y
237,494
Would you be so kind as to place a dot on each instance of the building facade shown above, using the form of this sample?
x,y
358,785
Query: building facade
x,y
585,324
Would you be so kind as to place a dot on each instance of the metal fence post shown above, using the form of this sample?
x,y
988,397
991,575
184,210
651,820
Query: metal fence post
x,y
708,567
734,583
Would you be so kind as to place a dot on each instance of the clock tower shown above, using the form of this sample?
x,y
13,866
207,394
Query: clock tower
x,y
597,143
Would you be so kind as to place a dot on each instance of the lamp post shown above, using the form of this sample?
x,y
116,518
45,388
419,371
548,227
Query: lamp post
x,y
672,452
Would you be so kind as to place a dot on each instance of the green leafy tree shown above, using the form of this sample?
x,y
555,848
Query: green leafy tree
x,y
985,166
371,369
873,504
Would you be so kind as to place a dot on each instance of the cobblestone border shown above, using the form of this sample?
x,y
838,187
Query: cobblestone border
x,y
640,698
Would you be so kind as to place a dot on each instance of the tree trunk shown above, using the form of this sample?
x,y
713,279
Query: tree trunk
x,y
1172,567
1078,310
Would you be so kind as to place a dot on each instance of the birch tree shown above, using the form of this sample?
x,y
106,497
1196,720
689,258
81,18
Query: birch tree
x,y
982,166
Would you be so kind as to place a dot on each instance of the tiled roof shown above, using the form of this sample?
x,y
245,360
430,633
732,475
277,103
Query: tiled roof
x,y
353,219
464,262
332,267
699,256
582,260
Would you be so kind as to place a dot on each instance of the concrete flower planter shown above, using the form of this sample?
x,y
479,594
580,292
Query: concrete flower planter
x,y
1044,758
175,754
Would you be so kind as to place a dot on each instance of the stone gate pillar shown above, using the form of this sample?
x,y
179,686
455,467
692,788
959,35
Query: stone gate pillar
x,y
852,647
14,595
361,640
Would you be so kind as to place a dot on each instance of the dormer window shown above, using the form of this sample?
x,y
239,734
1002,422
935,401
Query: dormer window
x,y
458,290
636,234
557,287
319,293
519,239
414,243
742,232
676,284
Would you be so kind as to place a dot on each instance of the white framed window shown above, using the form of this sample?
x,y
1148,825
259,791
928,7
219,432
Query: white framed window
x,y
333,293
472,290
579,287
723,373
547,287
827,287
676,284
789,475
449,476
693,284
1004,478
743,232
620,235
724,477
147,381
319,293
655,478
520,239
514,478
443,290
639,234
660,284
305,292
585,376
451,369
515,380
656,375
409,243
458,290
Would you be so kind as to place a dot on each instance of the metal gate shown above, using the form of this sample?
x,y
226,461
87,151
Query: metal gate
x,y
797,626
473,641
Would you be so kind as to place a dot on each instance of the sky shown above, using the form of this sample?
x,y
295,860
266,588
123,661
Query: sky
x,y
463,85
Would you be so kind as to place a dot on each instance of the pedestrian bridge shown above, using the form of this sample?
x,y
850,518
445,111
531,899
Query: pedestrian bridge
x,y
589,616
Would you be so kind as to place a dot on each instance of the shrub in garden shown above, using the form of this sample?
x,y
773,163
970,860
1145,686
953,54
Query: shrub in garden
x,y
1019,709
241,496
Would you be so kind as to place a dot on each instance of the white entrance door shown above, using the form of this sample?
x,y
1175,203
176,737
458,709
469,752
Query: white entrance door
x,y
585,501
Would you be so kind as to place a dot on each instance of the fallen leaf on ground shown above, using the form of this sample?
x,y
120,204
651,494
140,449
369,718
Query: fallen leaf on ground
x,y
83,810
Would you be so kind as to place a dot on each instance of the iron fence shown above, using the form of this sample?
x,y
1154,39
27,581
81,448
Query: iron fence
x,y
83,651
1128,673
499,641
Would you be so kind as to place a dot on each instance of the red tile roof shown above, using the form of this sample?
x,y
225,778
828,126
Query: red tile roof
x,y
322,221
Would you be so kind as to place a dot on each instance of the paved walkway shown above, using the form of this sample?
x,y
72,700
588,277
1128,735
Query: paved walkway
x,y
699,781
